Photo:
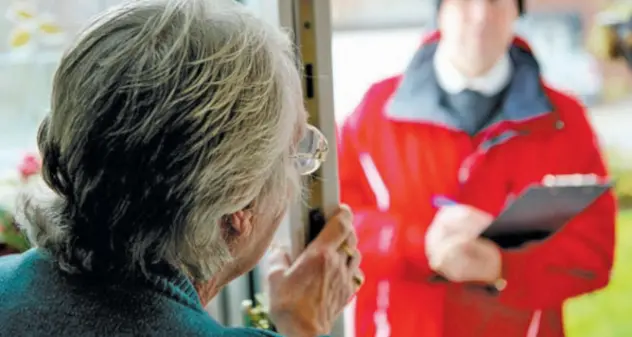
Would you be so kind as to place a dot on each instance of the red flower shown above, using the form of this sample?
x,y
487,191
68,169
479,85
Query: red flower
x,y
30,166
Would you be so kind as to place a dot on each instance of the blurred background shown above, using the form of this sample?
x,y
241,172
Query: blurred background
x,y
372,39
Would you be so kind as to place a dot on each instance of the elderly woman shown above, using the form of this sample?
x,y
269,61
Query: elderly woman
x,y
172,150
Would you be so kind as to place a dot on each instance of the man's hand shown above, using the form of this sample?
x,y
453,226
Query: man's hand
x,y
455,221
454,249
460,260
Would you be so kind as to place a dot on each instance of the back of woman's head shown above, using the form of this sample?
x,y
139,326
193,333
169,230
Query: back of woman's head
x,y
165,117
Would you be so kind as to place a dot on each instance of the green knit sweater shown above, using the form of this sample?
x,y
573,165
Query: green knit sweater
x,y
38,300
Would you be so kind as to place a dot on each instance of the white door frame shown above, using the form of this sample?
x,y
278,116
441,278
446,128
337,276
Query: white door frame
x,y
309,23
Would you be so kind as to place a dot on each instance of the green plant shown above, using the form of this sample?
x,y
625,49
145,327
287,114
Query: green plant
x,y
606,313
623,186
11,238
620,165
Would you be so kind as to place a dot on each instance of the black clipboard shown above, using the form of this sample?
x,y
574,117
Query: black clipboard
x,y
541,211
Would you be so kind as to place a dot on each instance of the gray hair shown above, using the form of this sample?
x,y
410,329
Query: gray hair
x,y
166,116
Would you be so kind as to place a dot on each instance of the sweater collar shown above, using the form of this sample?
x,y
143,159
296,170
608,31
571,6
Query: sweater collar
x,y
169,282
178,287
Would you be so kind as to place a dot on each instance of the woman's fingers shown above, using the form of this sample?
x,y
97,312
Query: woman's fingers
x,y
319,283
353,261
352,239
358,279
337,231
278,261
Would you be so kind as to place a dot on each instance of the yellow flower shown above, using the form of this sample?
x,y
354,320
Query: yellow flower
x,y
19,38
22,11
24,14
50,28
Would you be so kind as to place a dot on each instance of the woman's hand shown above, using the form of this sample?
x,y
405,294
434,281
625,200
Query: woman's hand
x,y
308,295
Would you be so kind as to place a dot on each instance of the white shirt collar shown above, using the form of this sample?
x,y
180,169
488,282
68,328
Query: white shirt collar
x,y
453,81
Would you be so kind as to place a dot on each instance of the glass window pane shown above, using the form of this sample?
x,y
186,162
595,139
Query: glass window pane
x,y
372,14
34,35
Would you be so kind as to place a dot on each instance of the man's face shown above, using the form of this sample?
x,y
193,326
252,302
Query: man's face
x,y
478,32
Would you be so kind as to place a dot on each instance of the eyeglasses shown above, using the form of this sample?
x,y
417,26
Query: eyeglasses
x,y
312,151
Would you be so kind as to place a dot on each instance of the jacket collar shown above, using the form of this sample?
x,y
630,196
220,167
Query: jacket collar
x,y
418,97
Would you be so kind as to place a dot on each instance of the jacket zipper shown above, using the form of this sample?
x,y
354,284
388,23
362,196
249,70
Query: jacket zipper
x,y
534,326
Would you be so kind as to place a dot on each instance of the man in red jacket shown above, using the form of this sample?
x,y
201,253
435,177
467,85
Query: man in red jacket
x,y
469,121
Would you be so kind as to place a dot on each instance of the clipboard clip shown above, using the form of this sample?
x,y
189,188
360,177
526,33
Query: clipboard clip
x,y
577,180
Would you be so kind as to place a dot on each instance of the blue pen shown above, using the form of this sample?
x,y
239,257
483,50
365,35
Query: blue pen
x,y
439,201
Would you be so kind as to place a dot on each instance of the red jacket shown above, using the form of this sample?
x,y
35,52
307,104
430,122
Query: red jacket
x,y
398,150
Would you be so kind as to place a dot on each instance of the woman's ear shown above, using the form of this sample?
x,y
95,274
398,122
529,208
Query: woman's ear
x,y
239,223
